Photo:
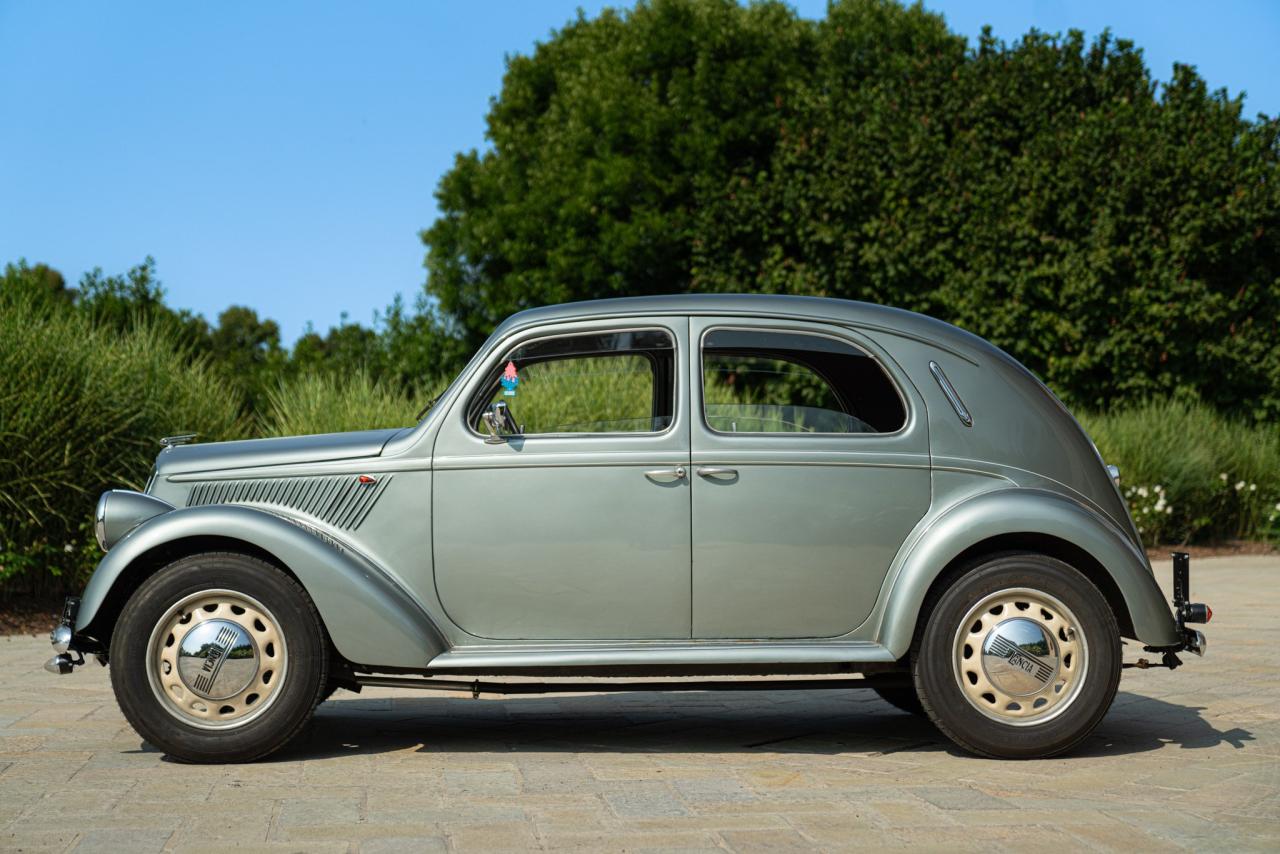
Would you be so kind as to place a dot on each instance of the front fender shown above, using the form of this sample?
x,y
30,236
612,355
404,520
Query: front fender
x,y
371,619
1021,511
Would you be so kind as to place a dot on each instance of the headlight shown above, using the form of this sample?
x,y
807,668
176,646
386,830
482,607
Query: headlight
x,y
120,511
100,521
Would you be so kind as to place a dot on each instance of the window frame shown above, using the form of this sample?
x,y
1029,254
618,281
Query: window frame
x,y
471,412
791,330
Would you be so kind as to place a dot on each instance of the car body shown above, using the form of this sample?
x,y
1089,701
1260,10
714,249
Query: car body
x,y
704,484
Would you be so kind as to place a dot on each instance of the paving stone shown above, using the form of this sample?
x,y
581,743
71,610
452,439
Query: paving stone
x,y
766,840
501,836
645,804
37,840
319,811
959,798
133,840
399,844
719,790
620,840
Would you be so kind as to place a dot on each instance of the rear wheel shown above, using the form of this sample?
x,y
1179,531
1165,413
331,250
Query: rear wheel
x,y
1019,658
219,657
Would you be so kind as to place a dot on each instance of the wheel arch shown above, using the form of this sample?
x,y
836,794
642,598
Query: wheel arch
x,y
369,617
1031,542
101,625
1025,520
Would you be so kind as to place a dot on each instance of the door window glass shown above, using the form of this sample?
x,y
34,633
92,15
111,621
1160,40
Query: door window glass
x,y
756,381
615,382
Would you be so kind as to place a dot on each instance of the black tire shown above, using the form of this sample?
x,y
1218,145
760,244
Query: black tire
x,y
902,696
940,643
295,696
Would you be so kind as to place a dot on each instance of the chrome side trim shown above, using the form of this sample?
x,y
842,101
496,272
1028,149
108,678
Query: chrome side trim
x,y
952,397
499,656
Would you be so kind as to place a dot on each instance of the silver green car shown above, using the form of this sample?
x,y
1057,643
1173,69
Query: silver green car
x,y
687,486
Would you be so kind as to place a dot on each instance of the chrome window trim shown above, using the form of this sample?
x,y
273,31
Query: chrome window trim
x,y
953,397
702,398
517,342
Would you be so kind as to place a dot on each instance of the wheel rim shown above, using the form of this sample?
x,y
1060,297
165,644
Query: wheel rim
x,y
1020,657
217,659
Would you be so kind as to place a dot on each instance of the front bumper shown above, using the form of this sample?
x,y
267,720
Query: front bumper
x,y
1184,612
63,639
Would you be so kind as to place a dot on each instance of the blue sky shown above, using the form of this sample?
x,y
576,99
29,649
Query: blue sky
x,y
284,155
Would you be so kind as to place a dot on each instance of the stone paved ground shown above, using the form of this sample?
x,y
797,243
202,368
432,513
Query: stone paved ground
x,y
1184,760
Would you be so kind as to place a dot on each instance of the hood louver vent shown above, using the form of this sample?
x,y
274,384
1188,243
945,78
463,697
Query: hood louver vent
x,y
341,501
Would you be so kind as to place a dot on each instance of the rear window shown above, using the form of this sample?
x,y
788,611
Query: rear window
x,y
764,381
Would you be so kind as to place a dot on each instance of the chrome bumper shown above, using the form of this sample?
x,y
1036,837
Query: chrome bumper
x,y
63,637
1184,612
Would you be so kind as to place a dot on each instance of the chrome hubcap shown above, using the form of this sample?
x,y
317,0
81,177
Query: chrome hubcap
x,y
1020,657
216,659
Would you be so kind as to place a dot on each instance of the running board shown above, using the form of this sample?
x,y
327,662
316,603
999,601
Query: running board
x,y
476,688
499,657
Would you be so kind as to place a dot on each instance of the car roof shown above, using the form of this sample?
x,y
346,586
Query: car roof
x,y
822,309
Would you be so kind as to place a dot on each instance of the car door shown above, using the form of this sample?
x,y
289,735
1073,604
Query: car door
x,y
810,466
577,526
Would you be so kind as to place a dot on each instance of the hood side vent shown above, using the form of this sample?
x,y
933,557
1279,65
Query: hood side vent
x,y
341,501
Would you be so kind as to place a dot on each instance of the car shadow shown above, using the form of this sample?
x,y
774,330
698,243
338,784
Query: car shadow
x,y
805,722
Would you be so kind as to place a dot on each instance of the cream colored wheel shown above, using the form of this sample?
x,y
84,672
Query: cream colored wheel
x,y
217,659
1020,657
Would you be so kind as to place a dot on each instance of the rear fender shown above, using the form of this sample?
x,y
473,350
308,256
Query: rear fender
x,y
1010,513
371,618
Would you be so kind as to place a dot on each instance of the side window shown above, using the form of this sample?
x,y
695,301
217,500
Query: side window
x,y
757,381
614,382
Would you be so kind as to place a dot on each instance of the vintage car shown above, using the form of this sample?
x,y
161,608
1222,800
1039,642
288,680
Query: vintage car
x,y
686,486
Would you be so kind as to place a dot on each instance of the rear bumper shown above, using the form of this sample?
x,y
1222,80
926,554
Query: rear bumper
x,y
1185,612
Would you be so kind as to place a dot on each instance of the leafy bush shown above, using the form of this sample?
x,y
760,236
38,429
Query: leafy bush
x,y
81,409
1190,474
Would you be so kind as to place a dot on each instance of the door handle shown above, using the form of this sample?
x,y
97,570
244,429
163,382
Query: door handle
x,y
715,471
676,473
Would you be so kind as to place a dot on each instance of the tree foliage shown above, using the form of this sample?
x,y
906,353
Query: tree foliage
x,y
1119,237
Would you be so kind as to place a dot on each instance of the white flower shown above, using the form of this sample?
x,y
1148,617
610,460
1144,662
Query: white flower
x,y
1160,504
1223,477
1278,505
1168,510
1159,488
1239,485
68,548
1253,487
1142,490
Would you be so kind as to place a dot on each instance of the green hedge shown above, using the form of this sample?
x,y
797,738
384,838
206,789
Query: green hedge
x,y
326,403
81,408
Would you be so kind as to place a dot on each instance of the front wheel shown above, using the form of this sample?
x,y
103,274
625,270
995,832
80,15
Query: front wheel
x,y
1019,659
219,657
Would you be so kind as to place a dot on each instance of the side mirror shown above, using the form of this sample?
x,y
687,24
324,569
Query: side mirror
x,y
499,422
